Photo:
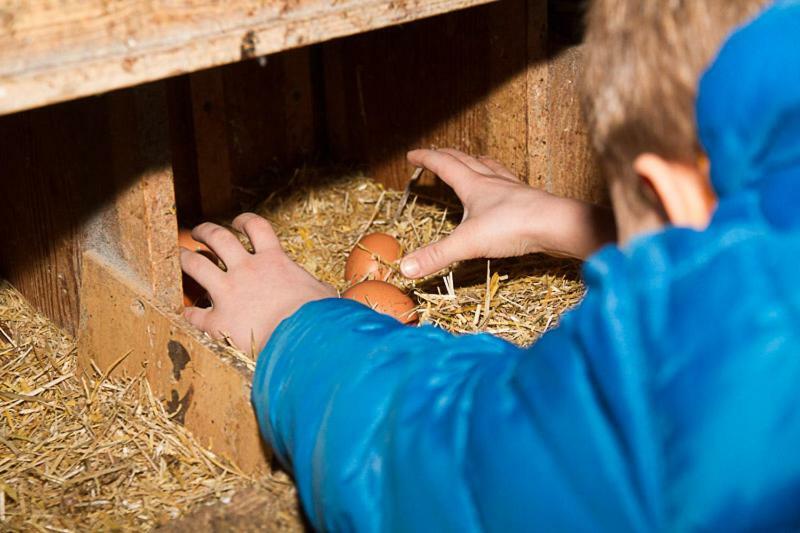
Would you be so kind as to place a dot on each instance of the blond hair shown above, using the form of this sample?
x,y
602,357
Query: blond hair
x,y
643,60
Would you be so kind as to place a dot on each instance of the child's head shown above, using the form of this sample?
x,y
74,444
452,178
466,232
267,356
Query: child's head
x,y
643,64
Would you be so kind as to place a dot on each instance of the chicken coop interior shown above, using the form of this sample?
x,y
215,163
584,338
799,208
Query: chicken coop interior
x,y
123,121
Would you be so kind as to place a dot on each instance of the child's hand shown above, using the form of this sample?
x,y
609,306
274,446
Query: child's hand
x,y
256,292
504,217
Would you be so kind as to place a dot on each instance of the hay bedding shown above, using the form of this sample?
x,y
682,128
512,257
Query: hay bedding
x,y
102,453
517,299
96,453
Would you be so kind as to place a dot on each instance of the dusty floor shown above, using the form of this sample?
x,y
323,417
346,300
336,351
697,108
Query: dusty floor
x,y
101,453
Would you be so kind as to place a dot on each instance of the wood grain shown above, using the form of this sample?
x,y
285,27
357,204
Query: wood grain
x,y
457,80
136,227
537,97
493,80
251,121
52,51
210,387
214,172
48,164
93,172
572,169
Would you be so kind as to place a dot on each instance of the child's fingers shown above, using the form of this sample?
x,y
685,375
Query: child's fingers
x,y
498,168
468,160
258,230
197,316
221,241
452,171
201,269
437,256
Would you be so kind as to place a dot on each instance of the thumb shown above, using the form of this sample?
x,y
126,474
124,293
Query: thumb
x,y
434,257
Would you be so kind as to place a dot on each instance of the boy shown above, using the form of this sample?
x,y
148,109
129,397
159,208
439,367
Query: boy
x,y
666,400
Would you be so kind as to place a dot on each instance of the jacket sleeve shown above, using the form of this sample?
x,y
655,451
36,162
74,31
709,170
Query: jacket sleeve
x,y
388,427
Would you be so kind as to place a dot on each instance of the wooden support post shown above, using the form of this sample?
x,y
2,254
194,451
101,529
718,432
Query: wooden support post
x,y
572,169
137,228
130,295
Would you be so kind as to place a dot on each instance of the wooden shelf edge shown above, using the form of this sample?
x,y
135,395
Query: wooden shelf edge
x,y
207,386
124,64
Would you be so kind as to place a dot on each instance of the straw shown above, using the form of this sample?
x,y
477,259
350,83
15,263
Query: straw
x,y
100,453
320,221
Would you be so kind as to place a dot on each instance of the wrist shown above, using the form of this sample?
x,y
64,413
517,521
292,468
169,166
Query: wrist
x,y
571,228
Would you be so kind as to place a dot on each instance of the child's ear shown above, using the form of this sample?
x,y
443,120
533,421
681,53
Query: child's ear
x,y
684,191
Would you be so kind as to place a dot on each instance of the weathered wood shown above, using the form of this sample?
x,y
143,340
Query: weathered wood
x,y
252,121
96,171
184,151
55,51
48,161
209,387
538,76
137,227
269,113
493,80
457,80
214,173
572,168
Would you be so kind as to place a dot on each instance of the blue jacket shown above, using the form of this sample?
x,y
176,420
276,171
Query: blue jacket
x,y
668,400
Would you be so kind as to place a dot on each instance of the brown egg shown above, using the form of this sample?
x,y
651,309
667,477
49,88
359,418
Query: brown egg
x,y
384,298
193,292
186,240
370,257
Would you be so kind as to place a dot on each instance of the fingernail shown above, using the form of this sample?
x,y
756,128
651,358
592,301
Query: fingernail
x,y
409,267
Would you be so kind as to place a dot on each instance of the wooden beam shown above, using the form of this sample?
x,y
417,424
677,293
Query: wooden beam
x,y
137,227
56,51
208,387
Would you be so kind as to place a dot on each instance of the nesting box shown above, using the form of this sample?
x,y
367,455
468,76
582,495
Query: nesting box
x,y
121,123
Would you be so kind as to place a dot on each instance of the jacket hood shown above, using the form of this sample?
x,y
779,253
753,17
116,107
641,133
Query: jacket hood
x,y
748,112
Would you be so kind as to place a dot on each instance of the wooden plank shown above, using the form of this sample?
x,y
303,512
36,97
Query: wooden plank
x,y
493,80
212,147
48,164
572,169
269,105
559,152
209,387
55,51
137,227
253,121
457,80
537,97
